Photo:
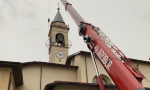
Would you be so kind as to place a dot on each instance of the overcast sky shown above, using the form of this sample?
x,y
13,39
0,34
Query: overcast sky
x,y
24,26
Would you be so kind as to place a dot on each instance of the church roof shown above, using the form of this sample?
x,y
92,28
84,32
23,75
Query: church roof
x,y
51,86
58,18
47,63
69,58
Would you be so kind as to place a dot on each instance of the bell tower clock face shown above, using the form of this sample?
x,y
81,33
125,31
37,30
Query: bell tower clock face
x,y
60,54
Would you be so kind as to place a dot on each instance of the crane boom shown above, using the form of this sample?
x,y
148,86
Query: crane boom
x,y
74,14
124,74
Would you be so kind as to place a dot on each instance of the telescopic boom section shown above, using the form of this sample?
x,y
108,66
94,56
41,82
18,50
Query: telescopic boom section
x,y
124,74
74,14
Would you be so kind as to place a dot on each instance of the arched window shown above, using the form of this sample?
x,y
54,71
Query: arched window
x,y
104,81
96,81
60,39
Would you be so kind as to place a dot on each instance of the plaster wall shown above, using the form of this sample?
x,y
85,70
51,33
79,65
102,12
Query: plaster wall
x,y
54,73
12,87
145,69
1,72
4,78
31,78
77,61
32,74
88,76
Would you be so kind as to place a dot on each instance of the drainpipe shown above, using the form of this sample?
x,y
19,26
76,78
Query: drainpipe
x,y
86,68
41,75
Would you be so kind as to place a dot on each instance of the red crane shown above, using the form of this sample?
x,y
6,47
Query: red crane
x,y
124,74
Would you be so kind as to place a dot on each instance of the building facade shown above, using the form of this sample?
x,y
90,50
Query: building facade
x,y
62,72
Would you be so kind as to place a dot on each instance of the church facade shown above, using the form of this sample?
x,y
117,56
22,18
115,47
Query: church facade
x,y
62,72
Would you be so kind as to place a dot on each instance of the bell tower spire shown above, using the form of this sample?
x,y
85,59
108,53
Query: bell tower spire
x,y
58,17
58,39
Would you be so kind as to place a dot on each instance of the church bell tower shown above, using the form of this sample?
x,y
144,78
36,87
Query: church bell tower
x,y
58,39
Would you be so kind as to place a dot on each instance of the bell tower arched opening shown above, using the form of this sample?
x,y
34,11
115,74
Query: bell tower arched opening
x,y
60,41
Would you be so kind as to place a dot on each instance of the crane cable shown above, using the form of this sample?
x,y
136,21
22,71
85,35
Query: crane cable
x,y
147,80
49,6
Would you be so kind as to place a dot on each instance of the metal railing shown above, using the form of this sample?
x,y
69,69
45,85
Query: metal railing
x,y
107,41
116,51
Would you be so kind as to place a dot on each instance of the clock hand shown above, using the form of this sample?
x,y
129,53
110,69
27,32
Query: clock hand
x,y
59,54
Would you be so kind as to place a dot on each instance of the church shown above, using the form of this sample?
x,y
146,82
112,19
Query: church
x,y
63,71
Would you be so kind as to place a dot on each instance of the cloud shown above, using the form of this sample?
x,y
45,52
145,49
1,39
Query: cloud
x,y
38,29
20,8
